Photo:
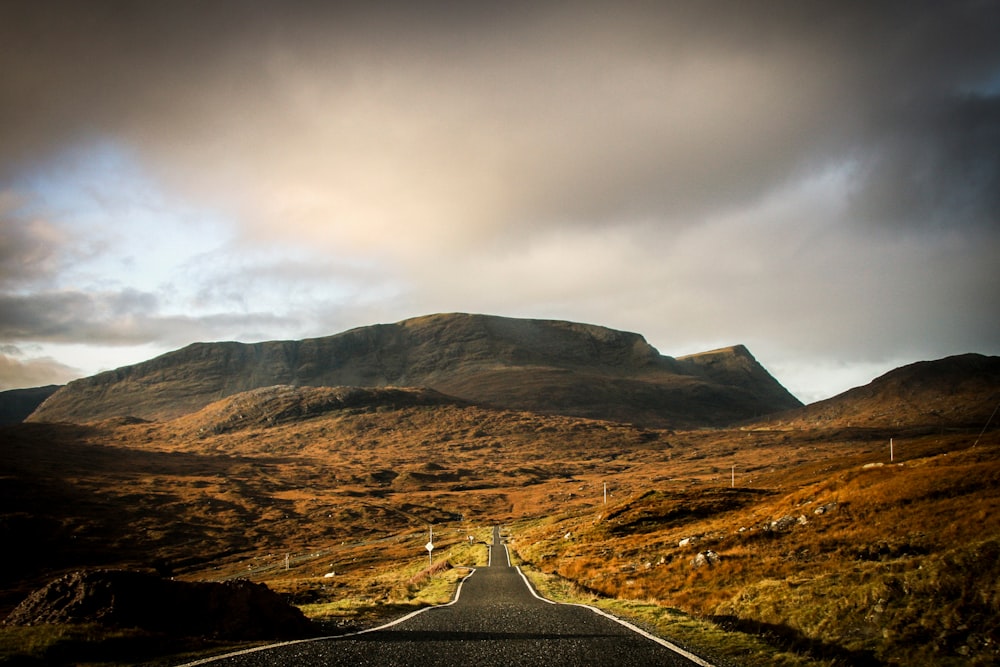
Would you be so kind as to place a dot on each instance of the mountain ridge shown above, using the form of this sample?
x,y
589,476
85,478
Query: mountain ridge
x,y
549,366
955,391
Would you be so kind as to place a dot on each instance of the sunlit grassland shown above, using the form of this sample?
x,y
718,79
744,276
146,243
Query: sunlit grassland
x,y
333,513
371,595
702,637
868,564
393,585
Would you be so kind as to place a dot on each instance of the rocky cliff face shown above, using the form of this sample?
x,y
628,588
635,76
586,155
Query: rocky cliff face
x,y
540,365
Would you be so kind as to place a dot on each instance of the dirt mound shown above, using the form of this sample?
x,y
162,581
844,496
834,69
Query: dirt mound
x,y
237,609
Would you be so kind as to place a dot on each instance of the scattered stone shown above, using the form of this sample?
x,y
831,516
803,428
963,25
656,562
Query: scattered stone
x,y
687,541
704,558
784,523
829,507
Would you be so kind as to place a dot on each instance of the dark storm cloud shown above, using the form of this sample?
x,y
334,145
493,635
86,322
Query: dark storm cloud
x,y
938,165
640,109
697,171
116,318
69,316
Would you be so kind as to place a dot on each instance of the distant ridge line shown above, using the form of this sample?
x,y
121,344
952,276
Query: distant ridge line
x,y
546,366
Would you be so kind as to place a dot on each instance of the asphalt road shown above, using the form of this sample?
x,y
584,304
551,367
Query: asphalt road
x,y
496,621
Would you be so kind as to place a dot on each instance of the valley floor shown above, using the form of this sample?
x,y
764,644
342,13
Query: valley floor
x,y
809,539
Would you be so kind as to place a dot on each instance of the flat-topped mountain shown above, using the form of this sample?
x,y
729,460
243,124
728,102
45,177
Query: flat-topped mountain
x,y
539,365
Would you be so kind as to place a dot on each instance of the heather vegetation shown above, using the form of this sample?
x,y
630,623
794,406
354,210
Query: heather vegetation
x,y
891,563
795,540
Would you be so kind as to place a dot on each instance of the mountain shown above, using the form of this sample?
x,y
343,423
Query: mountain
x,y
960,391
545,366
17,404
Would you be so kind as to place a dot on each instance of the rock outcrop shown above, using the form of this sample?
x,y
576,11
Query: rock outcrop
x,y
239,610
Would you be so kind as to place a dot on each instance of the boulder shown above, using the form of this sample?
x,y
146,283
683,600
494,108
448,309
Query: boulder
x,y
704,558
829,507
784,523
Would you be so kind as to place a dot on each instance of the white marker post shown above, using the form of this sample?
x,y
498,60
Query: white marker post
x,y
891,454
605,493
430,548
733,482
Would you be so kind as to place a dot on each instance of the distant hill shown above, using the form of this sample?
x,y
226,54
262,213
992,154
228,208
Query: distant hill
x,y
958,391
17,404
546,366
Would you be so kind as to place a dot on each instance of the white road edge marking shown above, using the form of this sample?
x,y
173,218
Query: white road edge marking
x,y
266,647
458,592
659,640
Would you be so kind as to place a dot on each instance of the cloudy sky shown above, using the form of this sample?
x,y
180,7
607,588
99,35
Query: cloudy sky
x,y
819,181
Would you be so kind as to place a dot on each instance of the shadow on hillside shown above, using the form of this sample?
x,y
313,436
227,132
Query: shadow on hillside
x,y
790,639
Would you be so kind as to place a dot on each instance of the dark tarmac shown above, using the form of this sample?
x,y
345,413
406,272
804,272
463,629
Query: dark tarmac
x,y
496,621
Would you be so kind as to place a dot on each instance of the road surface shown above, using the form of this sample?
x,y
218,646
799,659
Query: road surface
x,y
496,621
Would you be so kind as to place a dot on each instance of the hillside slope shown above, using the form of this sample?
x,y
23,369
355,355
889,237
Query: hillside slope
x,y
960,391
17,404
808,538
540,365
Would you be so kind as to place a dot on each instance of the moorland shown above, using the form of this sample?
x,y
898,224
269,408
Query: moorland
x,y
858,530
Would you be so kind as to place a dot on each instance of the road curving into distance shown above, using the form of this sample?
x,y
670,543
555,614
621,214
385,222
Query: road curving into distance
x,y
496,620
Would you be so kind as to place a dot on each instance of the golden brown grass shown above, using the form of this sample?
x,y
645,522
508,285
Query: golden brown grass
x,y
895,567
899,566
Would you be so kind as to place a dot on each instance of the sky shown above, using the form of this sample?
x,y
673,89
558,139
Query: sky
x,y
819,181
